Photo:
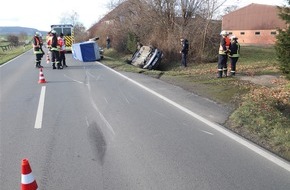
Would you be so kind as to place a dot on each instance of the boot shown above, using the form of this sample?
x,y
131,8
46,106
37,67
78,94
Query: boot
x,y
59,66
225,73
37,65
53,66
220,74
64,64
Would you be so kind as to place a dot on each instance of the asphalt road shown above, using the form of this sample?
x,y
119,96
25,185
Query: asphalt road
x,y
89,127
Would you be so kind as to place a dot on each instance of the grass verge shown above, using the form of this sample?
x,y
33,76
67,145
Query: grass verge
x,y
261,111
10,54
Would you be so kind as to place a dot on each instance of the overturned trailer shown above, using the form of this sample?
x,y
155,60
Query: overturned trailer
x,y
147,57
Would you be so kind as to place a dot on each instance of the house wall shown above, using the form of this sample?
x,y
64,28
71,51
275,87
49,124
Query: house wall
x,y
255,37
255,24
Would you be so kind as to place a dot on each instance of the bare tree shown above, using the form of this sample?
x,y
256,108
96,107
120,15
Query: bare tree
x,y
188,10
161,23
22,36
70,18
80,33
209,8
13,39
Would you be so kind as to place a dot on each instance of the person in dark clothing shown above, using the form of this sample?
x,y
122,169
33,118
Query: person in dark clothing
x,y
234,54
108,42
37,49
55,51
184,51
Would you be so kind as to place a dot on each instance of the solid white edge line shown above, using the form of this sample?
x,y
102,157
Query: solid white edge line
x,y
13,59
264,153
38,120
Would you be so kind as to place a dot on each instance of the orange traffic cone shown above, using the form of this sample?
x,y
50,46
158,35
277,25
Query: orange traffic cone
x,y
27,180
41,77
47,59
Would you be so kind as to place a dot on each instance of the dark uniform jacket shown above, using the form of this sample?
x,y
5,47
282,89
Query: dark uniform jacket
x,y
234,49
54,41
185,46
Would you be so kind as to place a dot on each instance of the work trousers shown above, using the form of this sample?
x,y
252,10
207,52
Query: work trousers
x,y
62,58
184,59
38,59
55,58
233,61
222,65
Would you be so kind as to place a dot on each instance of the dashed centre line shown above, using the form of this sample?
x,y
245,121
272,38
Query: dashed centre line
x,y
39,114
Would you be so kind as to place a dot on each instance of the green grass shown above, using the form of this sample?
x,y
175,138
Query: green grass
x,y
10,54
262,113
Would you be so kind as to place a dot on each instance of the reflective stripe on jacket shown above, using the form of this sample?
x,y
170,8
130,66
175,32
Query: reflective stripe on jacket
x,y
235,49
222,48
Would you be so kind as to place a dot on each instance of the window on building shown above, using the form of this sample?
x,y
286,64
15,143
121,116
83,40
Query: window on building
x,y
257,33
230,33
273,33
242,33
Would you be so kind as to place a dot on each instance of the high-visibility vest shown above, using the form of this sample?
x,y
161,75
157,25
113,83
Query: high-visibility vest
x,y
61,43
222,48
228,42
235,49
36,45
224,45
54,44
48,41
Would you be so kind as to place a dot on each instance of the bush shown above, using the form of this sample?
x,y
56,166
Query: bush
x,y
283,42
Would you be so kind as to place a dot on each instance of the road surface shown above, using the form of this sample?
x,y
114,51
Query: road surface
x,y
89,127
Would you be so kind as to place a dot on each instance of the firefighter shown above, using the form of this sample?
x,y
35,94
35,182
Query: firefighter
x,y
48,45
48,40
37,49
55,51
41,44
184,51
223,54
61,42
234,54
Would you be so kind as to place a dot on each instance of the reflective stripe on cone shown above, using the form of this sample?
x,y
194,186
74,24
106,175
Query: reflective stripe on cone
x,y
27,180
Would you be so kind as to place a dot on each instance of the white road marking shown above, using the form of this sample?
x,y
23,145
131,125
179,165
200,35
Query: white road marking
x,y
106,100
97,109
93,76
38,120
273,158
73,79
206,132
102,117
124,96
14,58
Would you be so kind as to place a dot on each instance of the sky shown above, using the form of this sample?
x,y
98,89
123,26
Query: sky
x,y
26,14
